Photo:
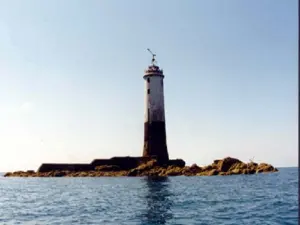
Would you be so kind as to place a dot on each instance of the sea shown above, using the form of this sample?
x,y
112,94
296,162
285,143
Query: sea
x,y
241,199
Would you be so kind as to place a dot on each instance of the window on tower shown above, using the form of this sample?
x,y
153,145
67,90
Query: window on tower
x,y
148,80
148,91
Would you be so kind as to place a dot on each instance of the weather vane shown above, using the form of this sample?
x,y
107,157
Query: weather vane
x,y
153,56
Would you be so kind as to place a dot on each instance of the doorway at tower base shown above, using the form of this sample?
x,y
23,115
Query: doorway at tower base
x,y
155,144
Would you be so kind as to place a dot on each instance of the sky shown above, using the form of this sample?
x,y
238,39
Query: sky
x,y
72,88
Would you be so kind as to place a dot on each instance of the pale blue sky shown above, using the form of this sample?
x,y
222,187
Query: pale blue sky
x,y
71,79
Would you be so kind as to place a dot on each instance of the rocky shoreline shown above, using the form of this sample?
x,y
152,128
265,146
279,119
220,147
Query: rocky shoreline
x,y
223,167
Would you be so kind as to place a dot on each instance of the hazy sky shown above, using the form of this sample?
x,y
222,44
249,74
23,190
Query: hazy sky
x,y
71,79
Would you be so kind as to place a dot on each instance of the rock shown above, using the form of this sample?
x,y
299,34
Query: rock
x,y
8,174
141,169
251,171
122,173
208,168
238,166
148,165
195,168
173,171
176,162
133,173
192,170
265,168
216,161
223,173
108,168
225,164
235,172
154,172
213,172
83,174
252,164
59,174
162,174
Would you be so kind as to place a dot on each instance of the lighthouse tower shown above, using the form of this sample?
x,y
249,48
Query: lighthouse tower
x,y
155,144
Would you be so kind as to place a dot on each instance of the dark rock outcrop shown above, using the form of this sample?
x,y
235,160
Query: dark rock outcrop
x,y
125,163
226,164
47,167
176,162
108,168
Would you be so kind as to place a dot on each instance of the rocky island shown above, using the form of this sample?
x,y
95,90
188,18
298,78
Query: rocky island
x,y
143,166
155,158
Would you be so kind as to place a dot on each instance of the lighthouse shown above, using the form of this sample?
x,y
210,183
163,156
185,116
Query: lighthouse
x,y
155,143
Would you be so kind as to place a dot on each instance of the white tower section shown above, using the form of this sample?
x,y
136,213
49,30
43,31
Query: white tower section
x,y
154,94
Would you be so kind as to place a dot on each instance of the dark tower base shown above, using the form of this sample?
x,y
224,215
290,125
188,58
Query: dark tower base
x,y
155,141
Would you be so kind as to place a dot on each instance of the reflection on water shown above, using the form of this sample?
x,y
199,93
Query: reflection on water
x,y
158,200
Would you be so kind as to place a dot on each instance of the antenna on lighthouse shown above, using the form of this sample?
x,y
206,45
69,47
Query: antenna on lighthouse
x,y
153,56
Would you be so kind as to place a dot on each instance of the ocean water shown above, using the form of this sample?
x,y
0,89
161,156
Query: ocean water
x,y
253,199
